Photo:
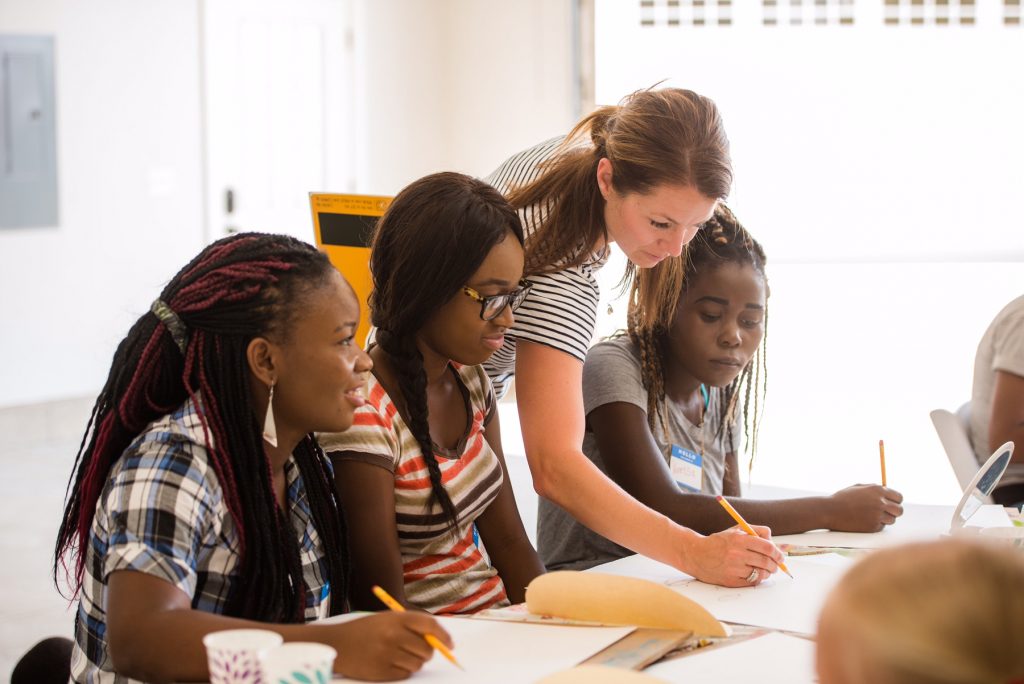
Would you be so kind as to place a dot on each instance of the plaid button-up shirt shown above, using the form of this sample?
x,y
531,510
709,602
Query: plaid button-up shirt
x,y
162,512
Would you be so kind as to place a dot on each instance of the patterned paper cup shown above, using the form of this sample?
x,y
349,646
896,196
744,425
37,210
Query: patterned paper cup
x,y
233,654
298,663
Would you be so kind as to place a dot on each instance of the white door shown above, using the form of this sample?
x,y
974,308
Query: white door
x,y
278,111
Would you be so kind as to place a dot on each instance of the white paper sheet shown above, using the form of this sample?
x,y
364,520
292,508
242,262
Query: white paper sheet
x,y
777,603
767,659
495,651
919,522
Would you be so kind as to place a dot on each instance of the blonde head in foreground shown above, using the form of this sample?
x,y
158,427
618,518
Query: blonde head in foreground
x,y
948,611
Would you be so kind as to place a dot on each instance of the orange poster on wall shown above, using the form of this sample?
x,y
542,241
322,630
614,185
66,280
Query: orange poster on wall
x,y
343,225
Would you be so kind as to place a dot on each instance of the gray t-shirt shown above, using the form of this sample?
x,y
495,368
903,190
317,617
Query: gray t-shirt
x,y
612,374
1001,349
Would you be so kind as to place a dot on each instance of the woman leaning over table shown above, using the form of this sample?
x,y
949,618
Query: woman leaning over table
x,y
645,174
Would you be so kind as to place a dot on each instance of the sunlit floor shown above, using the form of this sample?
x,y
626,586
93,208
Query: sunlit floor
x,y
37,448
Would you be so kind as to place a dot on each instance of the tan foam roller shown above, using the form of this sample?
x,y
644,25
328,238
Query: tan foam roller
x,y
616,600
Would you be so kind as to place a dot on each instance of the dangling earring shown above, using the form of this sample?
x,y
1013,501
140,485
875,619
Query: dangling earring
x,y
269,426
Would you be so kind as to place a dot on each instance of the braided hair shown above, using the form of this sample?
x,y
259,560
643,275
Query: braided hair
x,y
238,288
426,247
654,298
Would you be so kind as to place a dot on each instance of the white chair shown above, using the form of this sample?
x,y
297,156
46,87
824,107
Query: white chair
x,y
953,430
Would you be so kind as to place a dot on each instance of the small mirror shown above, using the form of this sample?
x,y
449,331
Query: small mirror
x,y
984,481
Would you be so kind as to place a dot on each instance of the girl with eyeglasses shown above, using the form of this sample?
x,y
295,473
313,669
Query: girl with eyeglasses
x,y
645,175
430,508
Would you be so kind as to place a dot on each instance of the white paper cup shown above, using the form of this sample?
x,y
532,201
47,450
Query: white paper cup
x,y
298,662
1009,536
233,655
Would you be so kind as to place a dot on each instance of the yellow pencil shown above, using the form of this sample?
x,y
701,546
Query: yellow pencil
x,y
394,605
881,458
744,526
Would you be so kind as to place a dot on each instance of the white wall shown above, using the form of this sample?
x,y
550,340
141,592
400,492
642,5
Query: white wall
x,y
457,84
880,166
401,92
866,142
511,79
862,352
440,85
128,141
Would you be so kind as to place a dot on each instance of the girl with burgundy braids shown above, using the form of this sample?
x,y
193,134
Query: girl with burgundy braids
x,y
668,403
200,500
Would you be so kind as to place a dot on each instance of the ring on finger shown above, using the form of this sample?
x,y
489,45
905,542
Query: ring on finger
x,y
753,576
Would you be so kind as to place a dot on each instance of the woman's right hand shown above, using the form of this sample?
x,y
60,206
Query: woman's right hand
x,y
728,558
385,646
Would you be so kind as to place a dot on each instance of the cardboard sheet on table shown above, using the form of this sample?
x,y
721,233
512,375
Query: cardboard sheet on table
x,y
779,602
919,522
492,650
768,659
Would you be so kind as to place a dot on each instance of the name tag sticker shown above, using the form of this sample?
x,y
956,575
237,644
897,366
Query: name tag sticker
x,y
687,468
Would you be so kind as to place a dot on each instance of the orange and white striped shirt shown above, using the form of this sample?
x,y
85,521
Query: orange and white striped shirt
x,y
444,573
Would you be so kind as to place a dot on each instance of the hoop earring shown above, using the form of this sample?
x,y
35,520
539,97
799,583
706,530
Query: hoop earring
x,y
269,426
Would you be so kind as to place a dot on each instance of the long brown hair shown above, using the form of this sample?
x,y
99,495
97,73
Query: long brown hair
x,y
653,300
652,138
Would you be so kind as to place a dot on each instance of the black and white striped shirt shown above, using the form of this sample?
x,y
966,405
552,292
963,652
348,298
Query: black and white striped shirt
x,y
561,309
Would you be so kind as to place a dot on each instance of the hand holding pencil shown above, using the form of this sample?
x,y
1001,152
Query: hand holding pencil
x,y
734,514
434,642
731,558
382,646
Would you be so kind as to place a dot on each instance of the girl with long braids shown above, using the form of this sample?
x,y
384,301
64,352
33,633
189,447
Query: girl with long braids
x,y
667,403
200,500
430,507
646,175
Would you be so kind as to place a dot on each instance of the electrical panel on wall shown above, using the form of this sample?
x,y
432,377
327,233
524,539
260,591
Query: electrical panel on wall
x,y
28,147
